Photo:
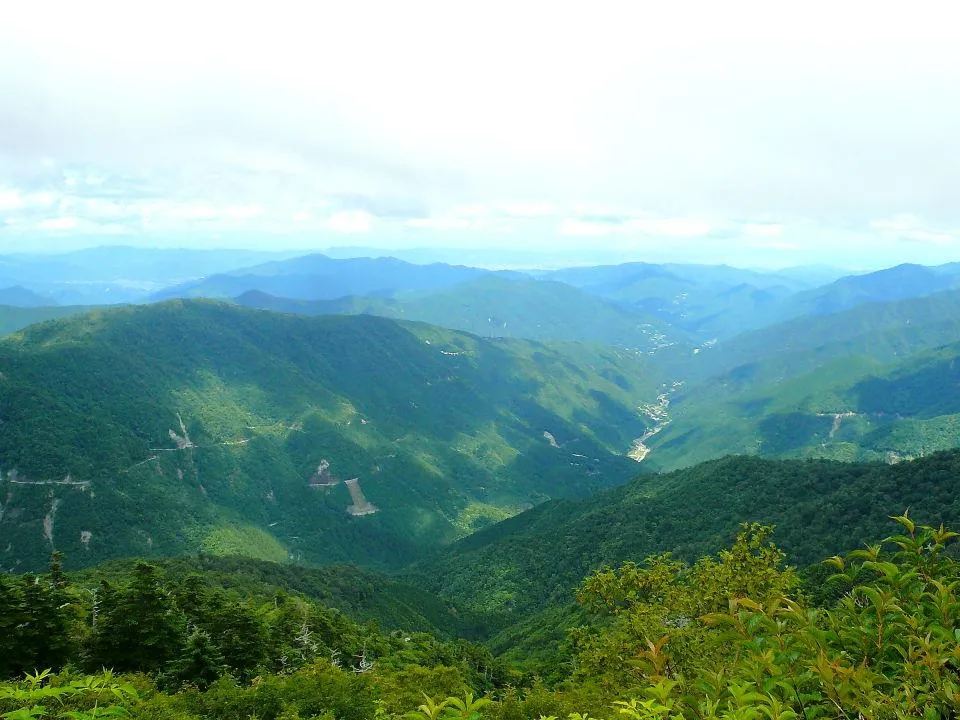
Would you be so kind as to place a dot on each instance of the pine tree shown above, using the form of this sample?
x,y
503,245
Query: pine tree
x,y
200,663
138,627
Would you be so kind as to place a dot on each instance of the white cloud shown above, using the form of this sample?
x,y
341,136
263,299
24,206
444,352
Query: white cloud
x,y
670,227
441,223
14,199
528,209
350,221
910,228
242,213
192,211
102,208
932,238
620,122
763,229
460,217
61,223
903,221
615,223
778,246
582,227
756,109
11,199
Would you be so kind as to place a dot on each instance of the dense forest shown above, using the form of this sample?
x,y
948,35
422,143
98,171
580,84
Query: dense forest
x,y
122,435
736,634
210,511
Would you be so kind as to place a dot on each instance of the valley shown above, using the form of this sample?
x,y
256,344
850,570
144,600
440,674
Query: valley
x,y
571,382
451,361
446,452
444,432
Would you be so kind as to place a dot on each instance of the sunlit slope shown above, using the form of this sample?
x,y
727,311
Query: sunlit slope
x,y
194,425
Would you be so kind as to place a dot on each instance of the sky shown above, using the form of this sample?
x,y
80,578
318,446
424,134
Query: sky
x,y
750,133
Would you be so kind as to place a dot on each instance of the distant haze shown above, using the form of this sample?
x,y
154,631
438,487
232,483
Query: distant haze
x,y
751,133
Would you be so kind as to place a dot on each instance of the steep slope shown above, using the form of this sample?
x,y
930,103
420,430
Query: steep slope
x,y
854,407
365,595
739,395
318,277
896,283
819,507
196,425
495,306
884,331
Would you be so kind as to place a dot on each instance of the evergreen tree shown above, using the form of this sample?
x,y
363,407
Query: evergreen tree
x,y
13,652
137,627
200,663
46,634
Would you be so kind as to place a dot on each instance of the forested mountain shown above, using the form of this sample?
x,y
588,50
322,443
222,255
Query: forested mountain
x,y
189,425
366,596
733,634
819,508
850,407
788,389
883,331
201,429
896,283
501,306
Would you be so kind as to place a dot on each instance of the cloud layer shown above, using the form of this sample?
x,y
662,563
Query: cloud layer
x,y
634,125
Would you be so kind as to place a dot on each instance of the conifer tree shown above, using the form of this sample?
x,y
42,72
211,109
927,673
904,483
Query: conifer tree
x,y
138,627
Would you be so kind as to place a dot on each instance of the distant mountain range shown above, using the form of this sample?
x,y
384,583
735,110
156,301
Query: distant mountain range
x,y
493,305
696,302
116,274
318,277
19,296
742,361
897,283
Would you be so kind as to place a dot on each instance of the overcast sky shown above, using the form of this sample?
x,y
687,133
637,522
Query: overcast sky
x,y
704,132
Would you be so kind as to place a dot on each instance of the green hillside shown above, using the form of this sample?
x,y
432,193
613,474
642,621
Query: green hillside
x,y
193,425
734,634
778,391
365,595
850,408
495,306
903,281
884,331
819,507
